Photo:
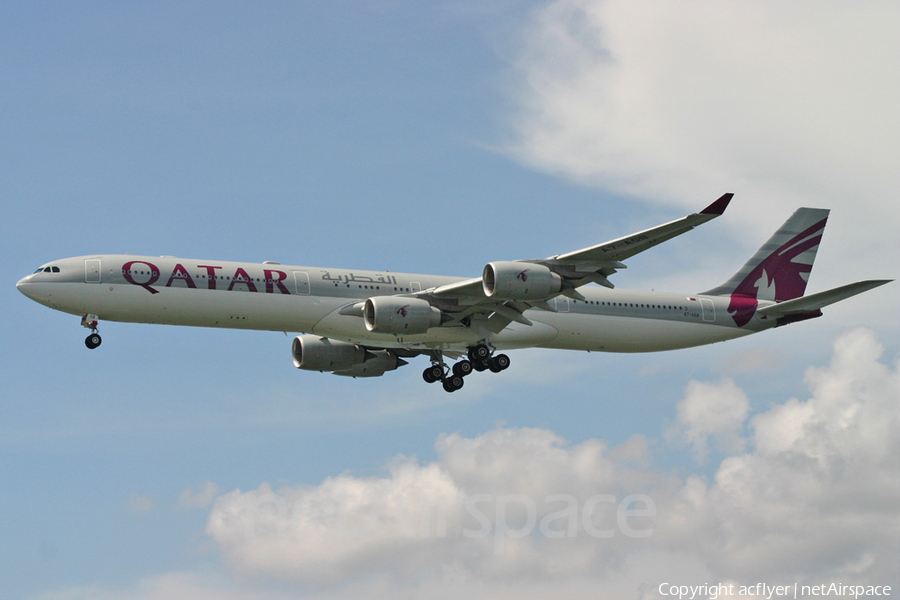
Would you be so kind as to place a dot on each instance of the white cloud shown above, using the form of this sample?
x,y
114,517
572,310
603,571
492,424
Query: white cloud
x,y
677,102
343,525
817,495
813,497
476,507
808,495
711,413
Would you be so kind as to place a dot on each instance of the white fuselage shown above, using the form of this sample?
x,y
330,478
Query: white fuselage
x,y
271,296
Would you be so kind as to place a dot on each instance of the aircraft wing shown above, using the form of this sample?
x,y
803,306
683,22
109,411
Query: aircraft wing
x,y
567,271
626,247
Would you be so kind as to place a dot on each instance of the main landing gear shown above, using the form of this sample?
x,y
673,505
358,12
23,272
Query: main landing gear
x,y
480,358
438,372
94,339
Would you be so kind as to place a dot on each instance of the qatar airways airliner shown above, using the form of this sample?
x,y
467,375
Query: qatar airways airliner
x,y
364,323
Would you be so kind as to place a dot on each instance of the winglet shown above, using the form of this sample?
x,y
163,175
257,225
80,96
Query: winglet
x,y
718,207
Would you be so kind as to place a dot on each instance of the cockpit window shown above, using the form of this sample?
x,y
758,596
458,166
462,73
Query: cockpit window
x,y
47,270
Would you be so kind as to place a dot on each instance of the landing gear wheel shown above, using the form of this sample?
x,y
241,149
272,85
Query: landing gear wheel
x,y
433,373
93,340
499,363
91,322
480,365
453,383
479,352
462,368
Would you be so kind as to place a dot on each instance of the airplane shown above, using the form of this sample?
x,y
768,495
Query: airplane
x,y
362,323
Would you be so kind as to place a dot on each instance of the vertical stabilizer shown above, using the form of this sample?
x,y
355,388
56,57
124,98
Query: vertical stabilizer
x,y
780,269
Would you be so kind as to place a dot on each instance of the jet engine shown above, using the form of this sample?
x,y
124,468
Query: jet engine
x,y
519,281
379,362
314,353
401,316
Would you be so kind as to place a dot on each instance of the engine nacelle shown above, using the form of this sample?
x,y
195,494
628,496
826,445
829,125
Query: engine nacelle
x,y
314,353
379,362
519,281
401,316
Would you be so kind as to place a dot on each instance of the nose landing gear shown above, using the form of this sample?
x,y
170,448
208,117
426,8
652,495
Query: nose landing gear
x,y
91,322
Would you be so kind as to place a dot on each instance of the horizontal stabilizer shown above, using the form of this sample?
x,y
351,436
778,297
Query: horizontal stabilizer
x,y
814,302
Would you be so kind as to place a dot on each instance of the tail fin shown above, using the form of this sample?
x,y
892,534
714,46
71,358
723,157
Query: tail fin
x,y
780,269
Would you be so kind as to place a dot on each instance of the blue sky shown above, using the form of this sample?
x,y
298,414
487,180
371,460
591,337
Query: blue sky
x,y
437,138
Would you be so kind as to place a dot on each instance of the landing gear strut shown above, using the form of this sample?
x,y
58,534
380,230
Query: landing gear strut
x,y
451,380
94,339
481,358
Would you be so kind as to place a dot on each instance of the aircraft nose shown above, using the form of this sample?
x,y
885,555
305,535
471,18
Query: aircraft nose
x,y
25,286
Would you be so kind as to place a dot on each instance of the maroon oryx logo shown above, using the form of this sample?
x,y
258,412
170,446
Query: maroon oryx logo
x,y
522,275
402,310
780,276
